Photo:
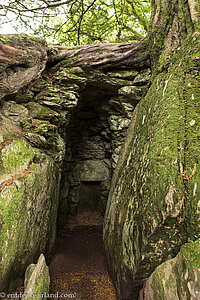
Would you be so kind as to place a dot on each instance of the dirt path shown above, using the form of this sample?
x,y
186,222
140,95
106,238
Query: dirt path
x,y
78,267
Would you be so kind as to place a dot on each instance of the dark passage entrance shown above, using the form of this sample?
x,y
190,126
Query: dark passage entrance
x,y
89,196
78,267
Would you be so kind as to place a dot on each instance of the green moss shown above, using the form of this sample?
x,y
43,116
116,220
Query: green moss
x,y
4,39
42,286
158,286
15,158
38,111
153,208
27,218
26,124
13,220
191,256
69,62
46,129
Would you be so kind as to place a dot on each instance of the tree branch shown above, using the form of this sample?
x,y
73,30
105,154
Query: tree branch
x,y
139,18
105,55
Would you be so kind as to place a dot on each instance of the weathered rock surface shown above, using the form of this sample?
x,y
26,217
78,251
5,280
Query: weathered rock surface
x,y
153,206
177,278
31,151
22,60
91,170
29,186
37,280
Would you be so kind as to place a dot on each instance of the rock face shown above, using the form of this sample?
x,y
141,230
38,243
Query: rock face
x,y
29,187
22,60
37,280
153,206
177,278
31,152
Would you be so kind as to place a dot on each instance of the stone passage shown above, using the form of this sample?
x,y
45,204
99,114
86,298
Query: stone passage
x,y
68,121
95,133
78,267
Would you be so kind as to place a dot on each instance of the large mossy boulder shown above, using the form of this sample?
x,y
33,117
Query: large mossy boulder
x,y
153,206
29,192
177,278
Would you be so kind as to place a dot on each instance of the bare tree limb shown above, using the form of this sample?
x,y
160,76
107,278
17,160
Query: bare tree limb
x,y
105,55
22,58
139,18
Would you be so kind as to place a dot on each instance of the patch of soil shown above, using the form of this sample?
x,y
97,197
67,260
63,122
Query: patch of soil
x,y
78,268
86,218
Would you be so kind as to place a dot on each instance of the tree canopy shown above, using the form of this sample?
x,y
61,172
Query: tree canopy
x,y
74,22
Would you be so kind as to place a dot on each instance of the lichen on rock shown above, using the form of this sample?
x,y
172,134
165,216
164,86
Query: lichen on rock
x,y
153,203
29,190
37,280
177,278
29,200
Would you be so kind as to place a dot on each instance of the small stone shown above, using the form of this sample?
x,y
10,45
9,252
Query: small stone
x,y
46,129
37,279
36,140
65,76
76,70
133,92
143,77
16,111
51,104
38,111
123,74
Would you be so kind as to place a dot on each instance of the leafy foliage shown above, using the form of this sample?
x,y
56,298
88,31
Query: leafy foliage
x,y
73,22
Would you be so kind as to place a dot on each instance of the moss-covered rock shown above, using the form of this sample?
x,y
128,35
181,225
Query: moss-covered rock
x,y
124,74
65,77
29,190
153,205
133,92
38,111
177,278
143,77
37,280
108,81
36,140
14,110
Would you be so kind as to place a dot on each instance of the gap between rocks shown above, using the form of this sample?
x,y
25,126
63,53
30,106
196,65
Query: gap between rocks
x,y
78,268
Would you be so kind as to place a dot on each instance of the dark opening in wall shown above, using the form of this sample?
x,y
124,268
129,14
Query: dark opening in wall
x,y
101,106
89,196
